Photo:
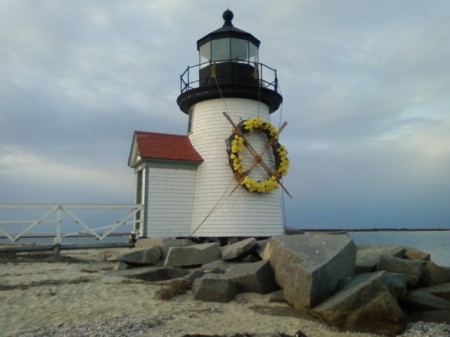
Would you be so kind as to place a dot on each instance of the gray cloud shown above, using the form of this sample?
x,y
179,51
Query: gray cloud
x,y
365,90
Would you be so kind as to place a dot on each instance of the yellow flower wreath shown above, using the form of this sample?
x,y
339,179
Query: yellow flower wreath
x,y
236,144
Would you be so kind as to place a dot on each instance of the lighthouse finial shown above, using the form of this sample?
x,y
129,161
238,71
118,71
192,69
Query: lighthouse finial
x,y
228,16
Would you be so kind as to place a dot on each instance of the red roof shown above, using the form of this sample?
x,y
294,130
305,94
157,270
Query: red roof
x,y
152,145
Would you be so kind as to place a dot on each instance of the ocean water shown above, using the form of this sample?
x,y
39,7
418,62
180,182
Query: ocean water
x,y
436,243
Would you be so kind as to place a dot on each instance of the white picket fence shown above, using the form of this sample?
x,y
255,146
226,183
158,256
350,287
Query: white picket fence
x,y
56,214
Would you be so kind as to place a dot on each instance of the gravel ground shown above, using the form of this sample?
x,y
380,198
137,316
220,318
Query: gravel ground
x,y
155,327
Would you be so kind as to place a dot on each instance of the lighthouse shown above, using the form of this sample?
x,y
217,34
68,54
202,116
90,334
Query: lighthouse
x,y
223,178
231,80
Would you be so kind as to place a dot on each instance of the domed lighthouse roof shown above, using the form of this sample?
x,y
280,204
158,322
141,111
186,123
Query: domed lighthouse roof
x,y
229,66
228,31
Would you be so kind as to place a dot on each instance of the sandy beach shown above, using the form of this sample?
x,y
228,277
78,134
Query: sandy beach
x,y
40,296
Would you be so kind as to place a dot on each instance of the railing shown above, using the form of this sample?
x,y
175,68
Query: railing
x,y
61,217
267,76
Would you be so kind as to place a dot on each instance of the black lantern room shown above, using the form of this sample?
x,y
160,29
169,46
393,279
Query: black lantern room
x,y
229,67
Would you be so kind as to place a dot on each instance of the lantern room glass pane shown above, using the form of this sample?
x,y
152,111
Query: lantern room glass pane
x,y
239,49
253,53
205,53
220,49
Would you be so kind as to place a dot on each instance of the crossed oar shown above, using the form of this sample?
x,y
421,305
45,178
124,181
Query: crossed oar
x,y
257,157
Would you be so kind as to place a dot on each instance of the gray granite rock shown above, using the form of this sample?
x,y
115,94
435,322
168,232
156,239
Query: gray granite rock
x,y
195,255
395,283
212,288
412,269
309,266
366,303
255,277
239,249
434,274
163,243
147,256
415,254
367,257
217,265
430,298
277,297
119,265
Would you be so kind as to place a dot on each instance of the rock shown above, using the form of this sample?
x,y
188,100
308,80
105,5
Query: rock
x,y
395,283
309,266
367,257
366,303
434,275
214,289
277,297
113,255
193,275
436,316
430,298
263,250
195,255
239,249
415,254
148,256
144,243
255,277
163,243
412,269
251,258
119,265
151,274
380,314
217,265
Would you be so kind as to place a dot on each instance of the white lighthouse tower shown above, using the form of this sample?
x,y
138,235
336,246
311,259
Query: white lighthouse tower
x,y
229,97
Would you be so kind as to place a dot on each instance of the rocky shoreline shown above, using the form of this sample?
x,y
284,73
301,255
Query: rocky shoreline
x,y
143,292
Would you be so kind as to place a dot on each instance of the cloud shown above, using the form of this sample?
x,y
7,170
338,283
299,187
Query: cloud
x,y
364,85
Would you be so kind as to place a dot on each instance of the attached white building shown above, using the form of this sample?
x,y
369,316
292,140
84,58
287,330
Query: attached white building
x,y
185,181
166,169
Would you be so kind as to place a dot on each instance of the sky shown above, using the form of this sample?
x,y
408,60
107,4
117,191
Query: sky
x,y
365,88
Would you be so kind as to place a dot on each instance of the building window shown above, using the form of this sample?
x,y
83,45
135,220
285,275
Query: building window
x,y
139,189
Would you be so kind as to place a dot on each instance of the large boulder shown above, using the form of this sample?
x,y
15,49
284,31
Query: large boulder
x,y
195,255
434,274
149,256
367,257
415,254
395,283
430,298
309,266
255,277
163,243
218,266
212,288
239,249
412,269
366,303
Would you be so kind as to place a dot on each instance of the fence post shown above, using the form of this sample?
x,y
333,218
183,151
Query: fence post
x,y
57,250
57,240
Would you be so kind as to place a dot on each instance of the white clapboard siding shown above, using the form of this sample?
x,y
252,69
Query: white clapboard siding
x,y
169,201
217,211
